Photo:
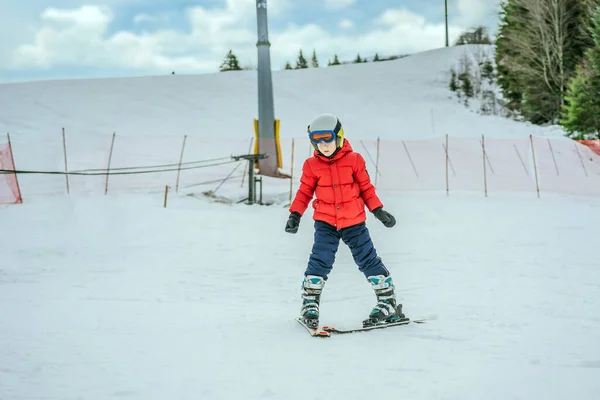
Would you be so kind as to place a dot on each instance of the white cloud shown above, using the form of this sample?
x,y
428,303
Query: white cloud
x,y
472,12
338,4
346,24
398,31
79,37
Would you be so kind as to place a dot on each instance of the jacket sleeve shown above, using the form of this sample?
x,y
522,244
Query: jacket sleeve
x,y
367,190
308,184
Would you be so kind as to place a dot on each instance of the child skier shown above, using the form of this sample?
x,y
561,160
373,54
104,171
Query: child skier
x,y
339,178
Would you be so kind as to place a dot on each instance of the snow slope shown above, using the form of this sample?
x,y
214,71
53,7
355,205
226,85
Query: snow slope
x,y
117,297
397,101
392,99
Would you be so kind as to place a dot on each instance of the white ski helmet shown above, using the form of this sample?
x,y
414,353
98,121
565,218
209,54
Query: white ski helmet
x,y
328,122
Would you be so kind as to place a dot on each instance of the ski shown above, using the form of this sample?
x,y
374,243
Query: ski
x,y
331,329
313,332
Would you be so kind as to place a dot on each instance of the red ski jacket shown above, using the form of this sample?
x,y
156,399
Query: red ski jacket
x,y
342,186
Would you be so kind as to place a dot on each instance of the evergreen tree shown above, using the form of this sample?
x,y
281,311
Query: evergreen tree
x,y
466,84
453,83
512,88
358,59
230,63
478,35
487,71
301,62
315,62
581,113
376,58
288,65
539,46
335,61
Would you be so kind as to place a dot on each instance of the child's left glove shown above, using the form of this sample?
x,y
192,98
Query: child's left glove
x,y
385,217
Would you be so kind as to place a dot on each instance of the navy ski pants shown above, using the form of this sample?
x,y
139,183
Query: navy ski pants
x,y
356,237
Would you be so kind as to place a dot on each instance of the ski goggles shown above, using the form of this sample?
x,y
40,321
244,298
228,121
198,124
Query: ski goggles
x,y
317,137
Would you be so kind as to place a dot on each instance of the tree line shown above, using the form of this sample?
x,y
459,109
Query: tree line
x,y
548,62
231,61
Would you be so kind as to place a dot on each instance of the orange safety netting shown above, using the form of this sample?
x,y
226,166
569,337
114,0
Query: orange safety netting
x,y
9,186
592,144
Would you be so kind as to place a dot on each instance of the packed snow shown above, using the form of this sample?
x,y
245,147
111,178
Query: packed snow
x,y
116,296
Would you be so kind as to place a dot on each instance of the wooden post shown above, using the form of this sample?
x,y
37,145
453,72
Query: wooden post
x,y
166,194
447,180
537,183
12,159
484,170
65,151
292,173
377,162
112,144
180,160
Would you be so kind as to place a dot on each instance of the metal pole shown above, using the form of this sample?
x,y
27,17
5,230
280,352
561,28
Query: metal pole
x,y
266,112
251,182
446,7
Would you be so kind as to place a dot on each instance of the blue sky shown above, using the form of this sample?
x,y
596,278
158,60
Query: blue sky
x,y
54,39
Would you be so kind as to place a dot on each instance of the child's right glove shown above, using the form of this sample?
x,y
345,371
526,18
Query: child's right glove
x,y
385,217
293,222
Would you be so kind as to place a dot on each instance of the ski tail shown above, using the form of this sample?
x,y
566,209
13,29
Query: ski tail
x,y
312,331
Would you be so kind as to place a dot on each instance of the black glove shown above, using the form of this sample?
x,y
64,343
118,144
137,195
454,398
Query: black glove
x,y
293,222
385,217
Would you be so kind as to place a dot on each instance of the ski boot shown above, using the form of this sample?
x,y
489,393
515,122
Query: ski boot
x,y
386,310
311,295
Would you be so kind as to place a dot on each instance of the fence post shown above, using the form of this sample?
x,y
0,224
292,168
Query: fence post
x,y
112,144
537,183
166,193
484,170
180,160
65,151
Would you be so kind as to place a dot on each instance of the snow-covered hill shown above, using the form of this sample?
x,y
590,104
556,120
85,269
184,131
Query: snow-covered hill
x,y
406,98
115,296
